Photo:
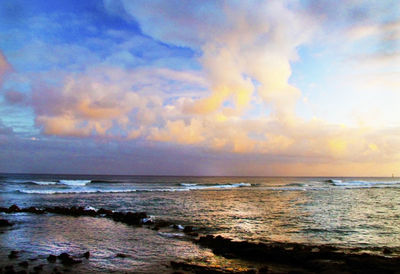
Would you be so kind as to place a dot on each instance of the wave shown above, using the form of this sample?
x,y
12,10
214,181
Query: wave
x,y
74,191
227,186
365,184
104,182
59,182
43,183
74,182
333,181
128,190
186,184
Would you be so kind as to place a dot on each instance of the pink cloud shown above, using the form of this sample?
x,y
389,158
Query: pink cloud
x,y
5,67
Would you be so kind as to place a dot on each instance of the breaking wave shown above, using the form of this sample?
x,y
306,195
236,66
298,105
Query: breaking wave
x,y
75,182
80,187
364,184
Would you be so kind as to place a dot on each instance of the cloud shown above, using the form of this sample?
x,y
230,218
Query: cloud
x,y
216,79
14,97
245,58
107,100
5,67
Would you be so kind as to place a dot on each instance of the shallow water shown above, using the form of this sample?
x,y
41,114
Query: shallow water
x,y
353,212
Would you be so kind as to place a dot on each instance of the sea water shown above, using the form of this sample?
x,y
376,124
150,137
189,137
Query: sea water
x,y
359,213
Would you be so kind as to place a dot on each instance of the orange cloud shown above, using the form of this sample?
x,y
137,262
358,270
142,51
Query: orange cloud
x,y
5,67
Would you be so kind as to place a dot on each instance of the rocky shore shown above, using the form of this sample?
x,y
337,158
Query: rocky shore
x,y
303,258
267,257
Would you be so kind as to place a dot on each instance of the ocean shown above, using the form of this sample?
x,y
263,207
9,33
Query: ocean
x,y
358,213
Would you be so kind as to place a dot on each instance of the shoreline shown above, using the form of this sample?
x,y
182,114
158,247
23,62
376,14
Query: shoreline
x,y
269,257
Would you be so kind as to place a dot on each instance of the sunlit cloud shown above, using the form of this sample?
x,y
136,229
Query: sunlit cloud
x,y
299,86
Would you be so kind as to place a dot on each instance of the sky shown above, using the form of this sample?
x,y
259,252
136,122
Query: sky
x,y
262,88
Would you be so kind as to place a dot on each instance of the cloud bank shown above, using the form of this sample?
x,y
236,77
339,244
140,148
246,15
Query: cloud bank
x,y
224,78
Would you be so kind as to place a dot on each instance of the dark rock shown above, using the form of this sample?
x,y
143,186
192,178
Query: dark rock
x,y
162,223
4,223
70,261
387,251
121,255
52,258
103,211
188,228
194,234
86,255
66,259
56,271
13,254
194,268
14,208
90,212
24,264
263,270
21,272
9,267
33,210
306,259
63,256
38,268
32,259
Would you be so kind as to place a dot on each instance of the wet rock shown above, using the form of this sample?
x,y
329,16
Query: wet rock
x,y
121,255
33,210
86,255
13,254
38,268
52,258
194,268
4,223
263,270
301,258
32,259
90,212
14,208
103,211
161,223
188,229
63,256
66,259
24,264
9,269
387,251
193,234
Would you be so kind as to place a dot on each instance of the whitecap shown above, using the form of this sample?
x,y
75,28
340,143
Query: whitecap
x,y
44,183
75,191
74,182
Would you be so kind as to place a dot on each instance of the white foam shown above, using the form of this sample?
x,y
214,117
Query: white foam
x,y
335,181
76,187
74,182
218,186
185,184
90,208
171,235
75,191
44,183
367,184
